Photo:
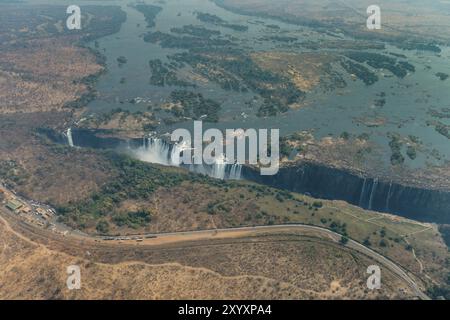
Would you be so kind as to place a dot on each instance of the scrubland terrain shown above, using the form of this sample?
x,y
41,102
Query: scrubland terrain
x,y
46,77
267,266
401,19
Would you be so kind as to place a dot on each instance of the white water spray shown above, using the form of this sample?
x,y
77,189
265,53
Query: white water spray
x,y
388,197
158,151
219,167
363,191
69,137
154,151
372,193
235,172
177,151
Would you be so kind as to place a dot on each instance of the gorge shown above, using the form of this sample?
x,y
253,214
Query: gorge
x,y
307,177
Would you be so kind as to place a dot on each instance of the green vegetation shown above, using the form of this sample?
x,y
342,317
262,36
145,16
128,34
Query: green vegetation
x,y
440,127
285,148
185,42
419,46
414,139
133,219
440,292
380,61
235,70
149,11
213,19
102,227
83,100
277,38
444,113
445,231
146,119
216,207
194,105
344,240
345,135
411,152
317,204
396,145
340,228
135,180
383,243
106,20
361,72
13,173
90,82
196,31
442,76
217,60
380,102
122,60
164,74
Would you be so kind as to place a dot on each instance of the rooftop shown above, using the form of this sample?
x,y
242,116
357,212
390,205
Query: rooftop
x,y
14,205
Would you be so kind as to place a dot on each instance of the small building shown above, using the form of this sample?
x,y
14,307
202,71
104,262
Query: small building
x,y
14,205
25,209
43,213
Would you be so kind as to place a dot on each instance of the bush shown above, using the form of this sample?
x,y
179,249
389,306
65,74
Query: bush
x,y
135,219
383,243
122,60
102,227
317,204
344,240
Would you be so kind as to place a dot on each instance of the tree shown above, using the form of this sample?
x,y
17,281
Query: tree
x,y
102,227
344,240
318,204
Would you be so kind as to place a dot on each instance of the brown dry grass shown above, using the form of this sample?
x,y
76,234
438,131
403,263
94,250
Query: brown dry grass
x,y
53,175
274,266
399,18
306,70
40,77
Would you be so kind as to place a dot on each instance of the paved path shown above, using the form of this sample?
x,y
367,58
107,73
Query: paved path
x,y
174,237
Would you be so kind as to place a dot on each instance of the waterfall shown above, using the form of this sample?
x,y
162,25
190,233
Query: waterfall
x,y
388,196
372,193
159,151
219,168
69,137
235,172
154,151
363,191
175,155
177,151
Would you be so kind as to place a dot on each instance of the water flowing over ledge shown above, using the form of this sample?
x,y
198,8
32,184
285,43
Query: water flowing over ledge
x,y
156,150
152,150
317,180
320,181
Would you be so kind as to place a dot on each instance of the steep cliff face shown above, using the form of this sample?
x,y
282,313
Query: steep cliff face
x,y
97,139
153,150
319,181
369,193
